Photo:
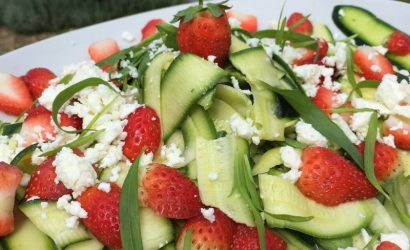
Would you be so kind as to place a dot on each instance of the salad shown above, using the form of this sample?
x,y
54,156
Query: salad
x,y
212,134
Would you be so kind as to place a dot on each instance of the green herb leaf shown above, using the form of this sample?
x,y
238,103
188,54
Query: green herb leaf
x,y
371,242
350,71
170,32
129,211
361,85
188,240
351,110
347,39
294,143
67,78
8,129
215,10
292,218
281,14
288,70
23,159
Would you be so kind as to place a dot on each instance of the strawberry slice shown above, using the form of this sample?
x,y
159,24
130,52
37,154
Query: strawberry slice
x,y
103,214
399,43
308,55
102,49
326,99
330,179
37,80
246,238
10,177
207,234
143,130
305,27
14,94
387,245
151,27
372,64
386,160
170,193
248,22
400,129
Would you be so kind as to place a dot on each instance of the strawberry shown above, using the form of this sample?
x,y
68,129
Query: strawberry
x,y
103,214
400,129
326,99
150,28
208,235
308,55
170,193
43,183
10,177
102,49
143,130
305,27
246,238
386,160
14,95
387,245
372,64
205,34
70,121
399,43
248,22
37,80
330,179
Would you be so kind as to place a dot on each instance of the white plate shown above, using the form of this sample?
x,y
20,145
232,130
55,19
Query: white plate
x,y
71,47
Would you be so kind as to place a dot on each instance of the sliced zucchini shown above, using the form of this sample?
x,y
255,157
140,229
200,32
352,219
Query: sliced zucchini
x,y
382,221
335,244
187,79
176,138
221,113
321,30
293,242
156,231
207,100
268,160
238,100
237,45
92,244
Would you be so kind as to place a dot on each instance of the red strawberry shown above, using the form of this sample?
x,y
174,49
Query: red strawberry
x,y
37,80
143,130
150,28
14,94
308,55
42,183
246,238
386,160
330,179
70,121
387,245
305,27
10,177
103,214
102,49
248,22
170,193
372,64
326,99
205,35
207,235
399,43
400,129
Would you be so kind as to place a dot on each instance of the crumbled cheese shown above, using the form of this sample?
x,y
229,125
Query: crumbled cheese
x,y
72,222
361,103
365,236
245,128
73,208
399,238
25,180
172,155
127,36
289,54
375,68
338,60
146,159
270,46
211,58
308,135
360,124
6,152
404,72
208,214
32,198
336,118
157,47
291,159
235,84
104,186
393,95
382,50
389,140
115,174
312,74
234,23
253,42
54,81
213,176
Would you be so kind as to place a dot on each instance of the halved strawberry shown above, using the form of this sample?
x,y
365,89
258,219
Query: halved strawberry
x,y
43,183
170,193
387,245
248,22
386,160
400,129
143,130
102,49
305,27
330,179
37,80
10,177
308,55
399,43
326,99
208,235
151,27
14,95
372,64
103,214
246,238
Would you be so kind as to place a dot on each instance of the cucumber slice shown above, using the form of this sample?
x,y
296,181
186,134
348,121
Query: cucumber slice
x,y
156,231
107,172
382,221
396,219
219,156
236,99
203,123
27,236
207,100
152,80
293,241
187,79
176,138
92,244
53,224
268,160
370,29
280,196
335,244
221,113
321,30
237,45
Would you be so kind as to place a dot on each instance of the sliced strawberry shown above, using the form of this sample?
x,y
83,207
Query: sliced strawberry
x,y
151,28
71,121
330,179
387,245
399,43
170,193
208,235
248,22
143,130
400,129
14,95
102,49
326,99
305,27
43,183
103,214
308,55
10,177
246,238
37,80
372,64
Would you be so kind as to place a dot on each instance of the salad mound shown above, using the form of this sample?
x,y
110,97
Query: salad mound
x,y
212,134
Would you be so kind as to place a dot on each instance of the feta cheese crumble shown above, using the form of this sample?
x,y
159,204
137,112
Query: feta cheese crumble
x,y
245,128
104,186
172,155
213,176
127,36
291,159
25,180
73,208
235,84
234,23
339,121
311,75
360,124
308,135
208,214
211,58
